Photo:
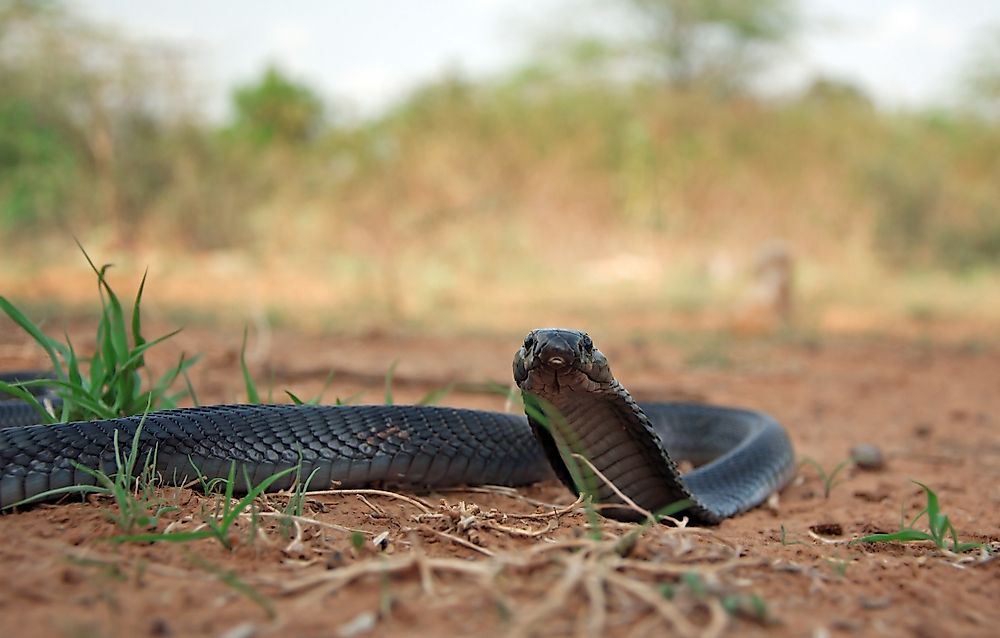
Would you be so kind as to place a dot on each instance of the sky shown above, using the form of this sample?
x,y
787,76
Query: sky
x,y
904,53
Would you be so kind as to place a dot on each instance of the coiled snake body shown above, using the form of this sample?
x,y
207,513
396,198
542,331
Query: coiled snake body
x,y
582,413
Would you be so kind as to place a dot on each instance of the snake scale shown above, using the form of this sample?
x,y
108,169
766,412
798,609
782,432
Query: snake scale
x,y
583,420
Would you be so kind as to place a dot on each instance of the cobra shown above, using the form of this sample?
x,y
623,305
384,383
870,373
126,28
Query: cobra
x,y
583,414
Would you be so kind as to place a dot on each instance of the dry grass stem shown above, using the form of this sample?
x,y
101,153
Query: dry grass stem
x,y
514,531
553,512
598,613
552,603
718,619
412,500
654,599
455,539
625,499
328,582
509,492
375,508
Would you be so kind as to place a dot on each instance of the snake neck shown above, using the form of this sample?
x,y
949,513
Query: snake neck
x,y
603,424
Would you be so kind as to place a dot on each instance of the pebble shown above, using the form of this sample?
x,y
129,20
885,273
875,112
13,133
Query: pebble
x,y
245,630
867,457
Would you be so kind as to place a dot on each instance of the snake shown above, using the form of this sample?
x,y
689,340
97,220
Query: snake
x,y
581,425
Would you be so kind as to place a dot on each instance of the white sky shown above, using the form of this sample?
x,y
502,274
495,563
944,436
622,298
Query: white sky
x,y
904,52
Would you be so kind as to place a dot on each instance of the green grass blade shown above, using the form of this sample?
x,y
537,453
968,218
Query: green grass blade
x,y
106,348
159,391
27,397
435,395
72,364
256,491
673,508
117,335
137,339
252,395
916,518
133,360
230,578
548,417
933,510
49,345
81,399
349,399
133,454
326,386
169,537
388,382
98,372
957,546
60,491
190,389
230,487
903,535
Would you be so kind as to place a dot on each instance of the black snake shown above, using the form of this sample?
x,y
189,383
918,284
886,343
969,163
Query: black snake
x,y
577,411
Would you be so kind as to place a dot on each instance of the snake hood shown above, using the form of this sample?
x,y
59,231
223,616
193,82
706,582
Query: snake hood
x,y
599,441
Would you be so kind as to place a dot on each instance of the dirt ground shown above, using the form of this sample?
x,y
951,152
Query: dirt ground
x,y
493,562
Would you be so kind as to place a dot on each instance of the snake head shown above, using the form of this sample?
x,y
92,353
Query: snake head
x,y
562,352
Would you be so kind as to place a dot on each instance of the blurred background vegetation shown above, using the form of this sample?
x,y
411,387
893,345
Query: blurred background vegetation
x,y
627,179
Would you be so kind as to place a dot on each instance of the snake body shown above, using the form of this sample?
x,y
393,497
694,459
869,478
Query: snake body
x,y
742,456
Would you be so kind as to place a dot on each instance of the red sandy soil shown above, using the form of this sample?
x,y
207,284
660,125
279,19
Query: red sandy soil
x,y
931,408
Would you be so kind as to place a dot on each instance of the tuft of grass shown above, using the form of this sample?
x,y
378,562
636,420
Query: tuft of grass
x,y
784,538
112,570
296,498
940,529
750,606
357,540
316,399
113,384
839,565
829,479
252,395
234,582
219,524
388,382
435,395
138,507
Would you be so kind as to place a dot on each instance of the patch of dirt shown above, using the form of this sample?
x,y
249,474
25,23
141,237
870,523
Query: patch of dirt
x,y
492,562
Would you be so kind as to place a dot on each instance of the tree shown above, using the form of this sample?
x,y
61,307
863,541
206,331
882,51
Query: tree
x,y
80,118
982,75
276,109
715,41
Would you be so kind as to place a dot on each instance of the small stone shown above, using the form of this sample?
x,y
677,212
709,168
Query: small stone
x,y
867,457
827,529
335,560
361,624
245,630
381,541
880,602
160,627
872,496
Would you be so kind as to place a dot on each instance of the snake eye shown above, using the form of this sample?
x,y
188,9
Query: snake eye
x,y
529,341
587,344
